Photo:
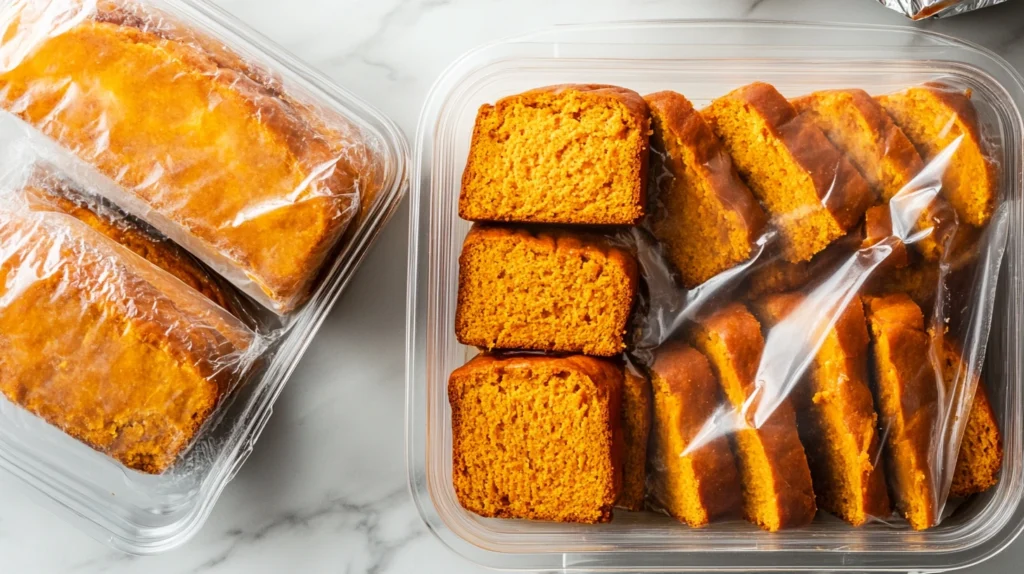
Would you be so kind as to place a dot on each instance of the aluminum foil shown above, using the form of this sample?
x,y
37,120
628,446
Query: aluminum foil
x,y
920,9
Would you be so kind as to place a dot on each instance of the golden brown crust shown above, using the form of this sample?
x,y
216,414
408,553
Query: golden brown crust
x,y
489,489
704,485
629,213
836,414
132,364
692,151
771,458
544,310
636,427
276,232
907,399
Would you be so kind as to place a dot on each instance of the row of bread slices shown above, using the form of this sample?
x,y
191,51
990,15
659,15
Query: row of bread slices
x,y
576,154
566,438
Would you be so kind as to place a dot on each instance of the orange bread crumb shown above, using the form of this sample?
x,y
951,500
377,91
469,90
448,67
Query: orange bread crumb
x,y
813,194
777,491
907,399
562,154
856,124
706,217
837,419
537,437
636,429
550,291
981,451
703,484
934,117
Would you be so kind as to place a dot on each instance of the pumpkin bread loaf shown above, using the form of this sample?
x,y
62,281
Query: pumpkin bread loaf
x,y
812,192
695,483
561,154
636,430
836,415
113,351
545,291
935,117
858,126
878,229
537,437
706,218
907,400
777,489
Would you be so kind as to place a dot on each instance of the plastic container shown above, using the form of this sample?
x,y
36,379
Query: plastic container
x,y
703,60
149,513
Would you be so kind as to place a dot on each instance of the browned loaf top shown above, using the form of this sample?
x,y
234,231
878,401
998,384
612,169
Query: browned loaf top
x,y
836,414
573,153
704,215
703,484
812,192
777,489
537,437
907,399
549,291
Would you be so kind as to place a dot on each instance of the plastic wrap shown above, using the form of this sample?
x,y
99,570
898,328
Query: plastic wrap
x,y
207,146
919,9
105,345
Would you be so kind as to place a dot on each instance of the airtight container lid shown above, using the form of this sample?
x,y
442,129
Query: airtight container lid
x,y
703,60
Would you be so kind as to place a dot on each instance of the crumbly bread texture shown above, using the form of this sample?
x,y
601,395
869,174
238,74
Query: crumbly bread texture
x,y
878,229
812,192
50,193
636,430
110,349
703,484
836,415
858,126
981,451
777,489
574,153
260,181
549,291
537,437
907,400
704,215
935,116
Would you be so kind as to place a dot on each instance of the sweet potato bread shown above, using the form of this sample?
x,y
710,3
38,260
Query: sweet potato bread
x,y
836,415
777,489
636,431
695,483
574,153
812,192
259,183
706,218
546,291
537,437
110,349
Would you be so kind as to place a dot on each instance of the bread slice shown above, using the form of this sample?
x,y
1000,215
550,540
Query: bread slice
x,y
636,429
537,437
546,291
812,192
858,126
907,399
935,116
878,229
836,414
705,216
776,275
981,450
699,483
574,153
777,490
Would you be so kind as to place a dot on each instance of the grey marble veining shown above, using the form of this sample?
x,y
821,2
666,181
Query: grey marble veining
x,y
325,489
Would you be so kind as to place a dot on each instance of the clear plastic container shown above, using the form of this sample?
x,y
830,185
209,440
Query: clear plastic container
x,y
148,513
703,60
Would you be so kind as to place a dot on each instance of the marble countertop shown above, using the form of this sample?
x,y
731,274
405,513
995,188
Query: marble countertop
x,y
325,489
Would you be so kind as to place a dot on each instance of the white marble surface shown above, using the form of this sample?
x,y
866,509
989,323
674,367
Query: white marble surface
x,y
325,489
